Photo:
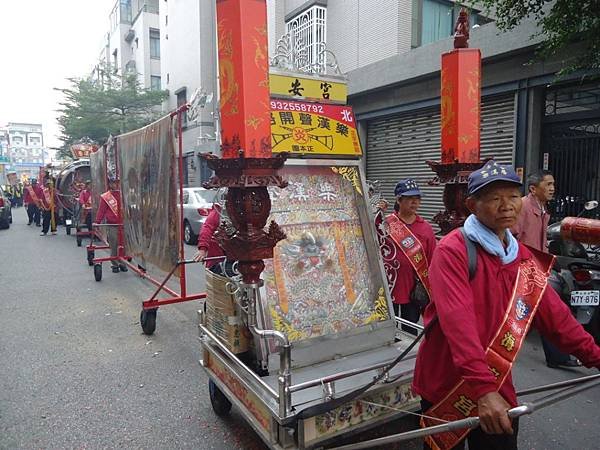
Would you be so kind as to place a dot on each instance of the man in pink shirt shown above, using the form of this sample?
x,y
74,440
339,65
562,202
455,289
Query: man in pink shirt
x,y
531,229
478,324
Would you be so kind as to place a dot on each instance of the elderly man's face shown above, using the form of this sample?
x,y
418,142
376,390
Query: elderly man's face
x,y
497,206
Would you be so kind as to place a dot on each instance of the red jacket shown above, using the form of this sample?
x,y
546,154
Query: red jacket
x,y
105,212
207,240
38,191
405,281
470,313
532,225
85,198
45,203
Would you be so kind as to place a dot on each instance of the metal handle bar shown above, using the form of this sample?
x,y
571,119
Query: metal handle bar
x,y
472,422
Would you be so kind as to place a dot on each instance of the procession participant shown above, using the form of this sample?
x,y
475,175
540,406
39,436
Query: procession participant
x,y
49,206
208,247
18,194
110,210
85,201
531,230
32,200
415,241
463,367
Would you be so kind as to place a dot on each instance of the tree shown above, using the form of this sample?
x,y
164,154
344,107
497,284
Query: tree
x,y
97,110
562,23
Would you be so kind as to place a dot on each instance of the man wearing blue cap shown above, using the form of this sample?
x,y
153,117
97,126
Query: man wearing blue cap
x,y
414,242
464,364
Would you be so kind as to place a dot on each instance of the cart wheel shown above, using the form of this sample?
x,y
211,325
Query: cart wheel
x,y
148,320
90,257
98,272
78,240
68,230
221,404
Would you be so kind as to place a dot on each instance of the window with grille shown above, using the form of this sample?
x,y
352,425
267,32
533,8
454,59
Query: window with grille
x,y
308,34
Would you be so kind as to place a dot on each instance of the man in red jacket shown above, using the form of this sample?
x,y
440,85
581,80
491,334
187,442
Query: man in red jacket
x,y
32,201
464,364
110,210
85,202
49,208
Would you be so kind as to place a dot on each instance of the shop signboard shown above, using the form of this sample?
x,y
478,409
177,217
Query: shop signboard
x,y
313,129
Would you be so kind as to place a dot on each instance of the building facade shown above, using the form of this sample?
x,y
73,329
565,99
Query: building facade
x,y
26,152
392,57
132,44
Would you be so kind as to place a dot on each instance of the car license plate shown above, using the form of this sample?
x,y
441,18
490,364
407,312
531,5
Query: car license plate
x,y
68,221
585,298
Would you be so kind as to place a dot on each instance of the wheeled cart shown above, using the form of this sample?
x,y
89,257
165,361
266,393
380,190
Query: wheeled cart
x,y
314,352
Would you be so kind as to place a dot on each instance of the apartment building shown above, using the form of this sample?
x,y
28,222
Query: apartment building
x,y
391,52
25,144
132,43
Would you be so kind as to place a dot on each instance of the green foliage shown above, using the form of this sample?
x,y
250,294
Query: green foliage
x,y
563,24
97,110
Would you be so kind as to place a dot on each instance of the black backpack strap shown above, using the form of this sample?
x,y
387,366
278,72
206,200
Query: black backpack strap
x,y
471,253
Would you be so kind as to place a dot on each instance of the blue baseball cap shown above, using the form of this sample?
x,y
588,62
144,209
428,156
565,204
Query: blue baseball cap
x,y
405,188
490,173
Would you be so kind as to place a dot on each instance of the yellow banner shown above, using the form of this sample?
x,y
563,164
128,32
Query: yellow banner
x,y
313,129
304,88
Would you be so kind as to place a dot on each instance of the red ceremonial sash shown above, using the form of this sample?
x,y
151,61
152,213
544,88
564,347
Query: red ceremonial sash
x,y
33,195
500,354
48,198
111,201
412,248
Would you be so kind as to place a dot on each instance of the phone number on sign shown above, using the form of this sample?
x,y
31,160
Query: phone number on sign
x,y
303,107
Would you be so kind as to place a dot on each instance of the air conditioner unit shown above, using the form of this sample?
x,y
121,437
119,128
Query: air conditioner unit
x,y
130,35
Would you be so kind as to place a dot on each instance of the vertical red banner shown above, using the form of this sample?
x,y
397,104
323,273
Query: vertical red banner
x,y
460,105
244,78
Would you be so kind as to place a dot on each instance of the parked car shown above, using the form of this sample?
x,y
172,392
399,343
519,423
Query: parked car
x,y
5,210
197,203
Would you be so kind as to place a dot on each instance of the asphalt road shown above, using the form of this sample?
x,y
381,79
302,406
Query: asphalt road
x,y
76,371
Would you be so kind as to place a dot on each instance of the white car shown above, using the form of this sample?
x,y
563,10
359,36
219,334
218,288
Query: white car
x,y
197,203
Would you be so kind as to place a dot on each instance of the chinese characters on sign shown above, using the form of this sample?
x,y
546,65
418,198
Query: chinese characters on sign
x,y
82,150
311,128
305,88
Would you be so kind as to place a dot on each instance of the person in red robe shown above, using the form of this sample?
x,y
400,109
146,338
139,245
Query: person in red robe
x,y
465,315
32,201
85,201
109,210
408,200
49,208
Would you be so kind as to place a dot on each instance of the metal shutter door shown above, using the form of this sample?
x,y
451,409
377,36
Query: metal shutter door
x,y
398,146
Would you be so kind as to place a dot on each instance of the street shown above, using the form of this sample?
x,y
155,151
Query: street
x,y
77,372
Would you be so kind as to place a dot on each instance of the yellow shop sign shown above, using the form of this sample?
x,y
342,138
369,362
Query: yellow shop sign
x,y
307,88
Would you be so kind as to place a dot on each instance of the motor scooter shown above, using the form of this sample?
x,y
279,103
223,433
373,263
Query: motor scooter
x,y
576,276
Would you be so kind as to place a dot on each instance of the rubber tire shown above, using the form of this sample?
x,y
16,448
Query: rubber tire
x,y
148,320
68,228
98,272
593,327
187,231
4,225
220,404
10,218
79,240
90,257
